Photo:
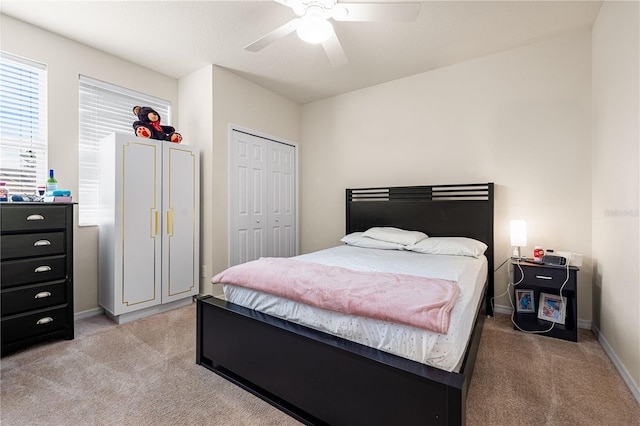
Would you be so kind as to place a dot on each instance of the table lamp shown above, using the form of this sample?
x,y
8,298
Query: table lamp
x,y
518,236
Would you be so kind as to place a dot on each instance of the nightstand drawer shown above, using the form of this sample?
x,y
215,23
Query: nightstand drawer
x,y
546,277
27,271
32,218
32,297
19,327
31,245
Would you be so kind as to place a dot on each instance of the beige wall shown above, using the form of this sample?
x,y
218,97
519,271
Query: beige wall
x,y
616,185
65,60
235,101
196,116
520,118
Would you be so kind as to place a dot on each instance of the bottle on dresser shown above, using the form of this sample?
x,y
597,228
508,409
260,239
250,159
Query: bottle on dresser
x,y
52,183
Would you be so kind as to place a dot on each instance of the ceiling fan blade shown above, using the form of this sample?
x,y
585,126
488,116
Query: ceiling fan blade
x,y
334,51
376,11
274,35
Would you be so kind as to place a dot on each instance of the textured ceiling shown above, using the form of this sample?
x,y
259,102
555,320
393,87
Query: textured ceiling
x,y
187,35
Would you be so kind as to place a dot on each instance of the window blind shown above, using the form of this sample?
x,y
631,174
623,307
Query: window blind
x,y
104,109
23,123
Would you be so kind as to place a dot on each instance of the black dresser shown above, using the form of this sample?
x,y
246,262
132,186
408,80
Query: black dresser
x,y
36,274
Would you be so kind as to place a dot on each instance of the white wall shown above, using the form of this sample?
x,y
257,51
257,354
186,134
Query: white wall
x,y
65,60
616,185
520,118
233,100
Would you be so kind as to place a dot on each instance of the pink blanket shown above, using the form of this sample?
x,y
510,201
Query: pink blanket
x,y
407,299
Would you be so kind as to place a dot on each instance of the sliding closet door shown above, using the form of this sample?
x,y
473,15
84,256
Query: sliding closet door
x,y
262,198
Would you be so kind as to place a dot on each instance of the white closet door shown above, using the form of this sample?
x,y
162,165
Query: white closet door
x,y
262,198
139,285
180,222
248,198
281,187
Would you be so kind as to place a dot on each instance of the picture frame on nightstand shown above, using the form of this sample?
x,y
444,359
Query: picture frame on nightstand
x,y
525,301
552,308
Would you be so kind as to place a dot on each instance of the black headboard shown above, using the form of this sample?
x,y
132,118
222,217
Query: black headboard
x,y
437,210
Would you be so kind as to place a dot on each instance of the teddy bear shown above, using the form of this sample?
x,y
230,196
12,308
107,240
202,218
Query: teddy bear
x,y
148,126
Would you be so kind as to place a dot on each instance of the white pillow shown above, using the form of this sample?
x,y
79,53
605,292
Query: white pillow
x,y
356,239
395,235
457,246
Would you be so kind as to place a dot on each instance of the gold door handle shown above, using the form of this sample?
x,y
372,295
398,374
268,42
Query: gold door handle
x,y
170,217
157,221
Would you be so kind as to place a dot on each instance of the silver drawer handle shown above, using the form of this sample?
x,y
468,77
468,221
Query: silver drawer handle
x,y
42,243
45,320
42,295
44,268
35,217
544,277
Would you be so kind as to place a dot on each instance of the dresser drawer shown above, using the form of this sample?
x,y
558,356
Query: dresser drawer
x,y
33,296
27,271
31,245
34,217
20,327
546,277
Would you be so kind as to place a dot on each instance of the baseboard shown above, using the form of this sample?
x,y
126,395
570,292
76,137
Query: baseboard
x,y
624,373
502,309
141,313
88,313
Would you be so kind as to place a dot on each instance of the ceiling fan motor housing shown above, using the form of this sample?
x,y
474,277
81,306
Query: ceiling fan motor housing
x,y
315,8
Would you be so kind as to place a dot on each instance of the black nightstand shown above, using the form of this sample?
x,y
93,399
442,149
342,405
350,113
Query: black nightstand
x,y
545,280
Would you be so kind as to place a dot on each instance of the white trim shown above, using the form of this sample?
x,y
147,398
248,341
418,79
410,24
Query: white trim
x,y
502,309
624,373
88,313
152,310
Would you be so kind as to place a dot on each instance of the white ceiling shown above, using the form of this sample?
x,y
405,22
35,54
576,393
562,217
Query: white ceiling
x,y
178,37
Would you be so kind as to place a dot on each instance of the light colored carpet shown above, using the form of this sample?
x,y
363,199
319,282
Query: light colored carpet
x,y
144,373
528,379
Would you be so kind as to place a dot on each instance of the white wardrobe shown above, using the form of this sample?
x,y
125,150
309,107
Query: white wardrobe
x,y
149,226
263,198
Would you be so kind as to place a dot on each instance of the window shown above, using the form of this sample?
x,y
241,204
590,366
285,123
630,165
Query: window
x,y
23,124
104,109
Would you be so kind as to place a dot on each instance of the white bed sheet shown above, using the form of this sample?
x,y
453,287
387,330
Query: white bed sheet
x,y
444,351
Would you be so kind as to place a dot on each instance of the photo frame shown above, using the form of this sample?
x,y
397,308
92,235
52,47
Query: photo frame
x,y
552,308
525,301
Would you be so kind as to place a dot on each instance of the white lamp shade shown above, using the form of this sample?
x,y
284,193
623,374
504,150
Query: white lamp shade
x,y
313,29
518,233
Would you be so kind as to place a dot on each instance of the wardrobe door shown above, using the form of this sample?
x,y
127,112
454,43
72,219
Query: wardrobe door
x,y
180,231
139,230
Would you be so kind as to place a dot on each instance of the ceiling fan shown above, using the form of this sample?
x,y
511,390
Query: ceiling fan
x,y
313,24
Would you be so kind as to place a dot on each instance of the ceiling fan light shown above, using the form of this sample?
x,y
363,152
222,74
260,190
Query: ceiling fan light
x,y
314,30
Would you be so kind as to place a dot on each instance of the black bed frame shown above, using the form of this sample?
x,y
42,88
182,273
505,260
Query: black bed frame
x,y
321,379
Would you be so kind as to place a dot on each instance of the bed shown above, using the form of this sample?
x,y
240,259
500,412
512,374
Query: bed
x,y
319,378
